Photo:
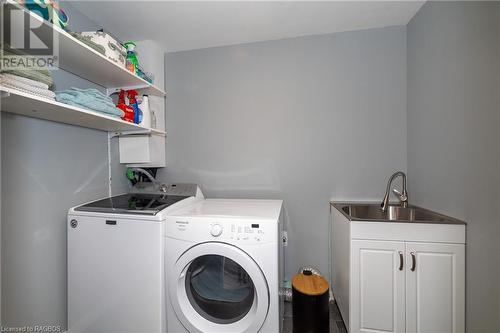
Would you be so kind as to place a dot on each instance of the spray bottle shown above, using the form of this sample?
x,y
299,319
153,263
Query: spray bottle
x,y
131,62
132,102
129,112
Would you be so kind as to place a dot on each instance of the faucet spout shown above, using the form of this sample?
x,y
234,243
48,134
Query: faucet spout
x,y
402,196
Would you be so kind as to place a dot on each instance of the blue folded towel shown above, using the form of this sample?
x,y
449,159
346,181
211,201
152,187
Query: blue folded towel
x,y
90,99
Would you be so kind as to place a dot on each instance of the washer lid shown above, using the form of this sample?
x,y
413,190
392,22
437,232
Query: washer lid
x,y
132,203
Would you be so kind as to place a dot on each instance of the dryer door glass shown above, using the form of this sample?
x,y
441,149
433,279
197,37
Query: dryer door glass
x,y
219,289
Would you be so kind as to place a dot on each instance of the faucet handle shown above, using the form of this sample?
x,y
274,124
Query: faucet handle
x,y
402,197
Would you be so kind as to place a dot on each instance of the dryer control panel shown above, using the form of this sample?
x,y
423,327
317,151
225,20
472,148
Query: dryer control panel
x,y
242,231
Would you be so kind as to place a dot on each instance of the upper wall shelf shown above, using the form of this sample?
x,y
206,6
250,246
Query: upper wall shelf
x,y
80,59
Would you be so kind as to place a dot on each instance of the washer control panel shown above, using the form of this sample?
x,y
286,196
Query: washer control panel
x,y
241,231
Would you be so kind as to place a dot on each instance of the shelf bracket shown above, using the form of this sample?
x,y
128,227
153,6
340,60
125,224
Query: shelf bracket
x,y
143,88
131,133
111,91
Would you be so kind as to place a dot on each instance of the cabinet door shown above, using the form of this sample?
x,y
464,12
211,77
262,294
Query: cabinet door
x,y
377,286
435,281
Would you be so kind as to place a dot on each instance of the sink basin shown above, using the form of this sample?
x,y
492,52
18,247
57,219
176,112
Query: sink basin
x,y
373,212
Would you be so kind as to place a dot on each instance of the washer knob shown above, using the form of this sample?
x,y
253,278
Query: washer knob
x,y
216,230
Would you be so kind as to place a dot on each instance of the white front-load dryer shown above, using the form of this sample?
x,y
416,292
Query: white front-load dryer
x,y
224,267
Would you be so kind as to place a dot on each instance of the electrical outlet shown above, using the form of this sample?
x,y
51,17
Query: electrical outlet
x,y
285,238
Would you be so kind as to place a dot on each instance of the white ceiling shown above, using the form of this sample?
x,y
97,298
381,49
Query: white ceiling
x,y
187,25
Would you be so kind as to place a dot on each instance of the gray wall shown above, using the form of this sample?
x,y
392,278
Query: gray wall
x,y
305,119
454,135
498,152
46,169
498,105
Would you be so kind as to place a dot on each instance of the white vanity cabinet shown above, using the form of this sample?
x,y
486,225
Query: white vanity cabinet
x,y
398,277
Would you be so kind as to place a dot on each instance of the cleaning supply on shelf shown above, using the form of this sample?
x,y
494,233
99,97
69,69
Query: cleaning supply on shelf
x,y
149,77
25,85
132,102
91,99
146,113
131,62
129,112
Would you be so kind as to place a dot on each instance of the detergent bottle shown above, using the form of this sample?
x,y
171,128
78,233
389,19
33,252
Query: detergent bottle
x,y
132,102
129,112
146,113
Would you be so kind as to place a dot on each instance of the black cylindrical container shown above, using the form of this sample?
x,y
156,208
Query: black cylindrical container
x,y
310,303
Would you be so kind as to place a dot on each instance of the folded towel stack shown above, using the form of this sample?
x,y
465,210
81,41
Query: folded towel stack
x,y
40,75
26,85
90,99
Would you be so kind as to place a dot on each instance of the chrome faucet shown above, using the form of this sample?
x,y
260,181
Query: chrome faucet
x,y
402,196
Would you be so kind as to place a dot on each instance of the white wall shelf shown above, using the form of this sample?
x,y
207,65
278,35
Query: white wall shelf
x,y
25,104
80,59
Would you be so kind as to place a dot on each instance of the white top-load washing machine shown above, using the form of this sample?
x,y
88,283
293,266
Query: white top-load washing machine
x,y
116,270
224,262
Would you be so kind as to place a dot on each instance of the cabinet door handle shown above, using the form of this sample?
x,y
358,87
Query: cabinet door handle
x,y
413,261
400,260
